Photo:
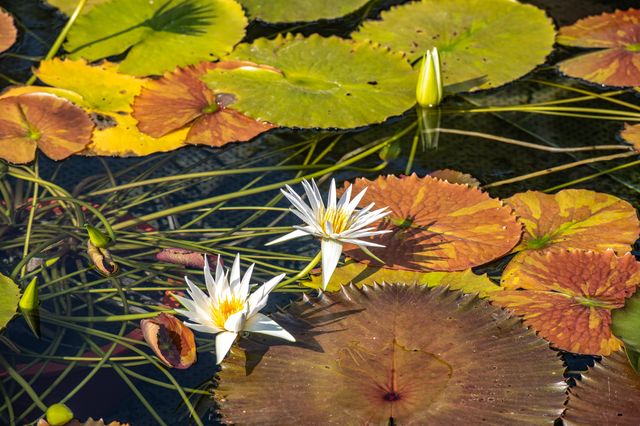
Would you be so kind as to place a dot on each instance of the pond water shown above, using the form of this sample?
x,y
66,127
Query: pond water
x,y
82,313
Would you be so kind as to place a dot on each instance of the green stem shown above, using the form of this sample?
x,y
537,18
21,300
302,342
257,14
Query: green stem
x,y
592,176
304,272
34,205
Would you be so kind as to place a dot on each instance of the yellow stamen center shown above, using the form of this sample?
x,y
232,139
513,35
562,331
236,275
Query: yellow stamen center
x,y
225,309
339,220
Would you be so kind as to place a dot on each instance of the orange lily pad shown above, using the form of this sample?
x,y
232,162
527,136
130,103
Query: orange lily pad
x,y
631,134
454,176
567,296
40,120
8,32
393,354
436,225
170,339
618,34
180,98
575,219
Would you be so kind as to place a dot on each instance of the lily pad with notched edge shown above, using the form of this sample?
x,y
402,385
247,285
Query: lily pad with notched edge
x,y
41,120
617,35
181,99
300,10
490,42
171,340
393,354
317,82
360,274
8,32
9,298
454,176
435,225
568,296
608,394
157,35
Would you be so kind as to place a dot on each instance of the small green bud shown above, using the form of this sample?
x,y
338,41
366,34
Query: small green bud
x,y
58,415
97,238
28,305
390,152
429,89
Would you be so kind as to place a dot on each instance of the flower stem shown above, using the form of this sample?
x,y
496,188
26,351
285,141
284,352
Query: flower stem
x,y
304,272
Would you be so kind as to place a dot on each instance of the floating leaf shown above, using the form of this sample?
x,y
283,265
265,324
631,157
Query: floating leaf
x,y
300,10
608,394
89,422
191,259
631,134
360,274
68,6
40,120
8,32
575,219
567,296
180,98
9,298
482,43
157,35
323,82
618,33
454,176
626,325
393,354
171,340
436,225
102,260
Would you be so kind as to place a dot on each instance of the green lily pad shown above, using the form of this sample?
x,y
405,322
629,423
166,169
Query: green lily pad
x,y
318,82
491,42
625,324
9,298
160,34
68,6
300,10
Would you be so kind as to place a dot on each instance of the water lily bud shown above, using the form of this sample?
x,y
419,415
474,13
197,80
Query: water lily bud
x,y
28,305
58,415
97,238
429,88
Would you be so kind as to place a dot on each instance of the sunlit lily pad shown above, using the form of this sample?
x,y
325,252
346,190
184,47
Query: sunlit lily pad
x,y
454,176
68,6
41,120
171,340
300,10
157,35
491,42
618,33
180,98
8,32
608,394
9,298
631,134
393,354
575,219
360,274
567,296
321,82
436,225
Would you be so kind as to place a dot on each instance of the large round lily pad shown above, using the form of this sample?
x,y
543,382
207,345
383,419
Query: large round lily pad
x,y
393,354
318,82
489,42
300,10
157,35
9,298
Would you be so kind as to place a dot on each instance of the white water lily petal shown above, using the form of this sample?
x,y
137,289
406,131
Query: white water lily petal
x,y
235,278
224,341
243,291
209,281
258,298
262,324
290,236
331,251
204,328
235,322
331,198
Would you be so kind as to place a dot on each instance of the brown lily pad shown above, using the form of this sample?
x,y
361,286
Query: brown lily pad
x,y
8,31
180,98
170,339
393,354
436,225
567,296
454,176
44,121
631,134
608,394
618,33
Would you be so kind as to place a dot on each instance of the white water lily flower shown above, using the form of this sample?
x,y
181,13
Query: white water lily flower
x,y
335,224
229,309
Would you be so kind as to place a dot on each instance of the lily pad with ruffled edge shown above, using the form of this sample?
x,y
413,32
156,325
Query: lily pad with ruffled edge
x,y
568,296
181,99
41,121
454,176
8,32
300,10
617,36
482,43
9,298
171,340
317,82
608,394
435,225
157,36
393,354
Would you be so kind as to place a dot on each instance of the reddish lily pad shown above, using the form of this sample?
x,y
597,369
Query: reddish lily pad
x,y
8,32
170,339
436,225
393,354
608,394
180,98
44,121
454,176
618,33
567,296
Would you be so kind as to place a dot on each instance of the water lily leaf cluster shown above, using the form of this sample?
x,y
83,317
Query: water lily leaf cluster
x,y
400,352
8,31
300,10
482,43
616,36
157,36
171,340
9,298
